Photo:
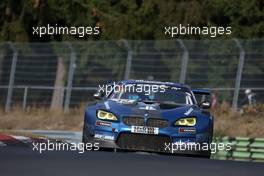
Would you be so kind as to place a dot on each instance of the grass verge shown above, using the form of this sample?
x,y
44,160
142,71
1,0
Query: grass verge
x,y
250,123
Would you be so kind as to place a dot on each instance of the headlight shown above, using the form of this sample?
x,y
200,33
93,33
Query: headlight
x,y
189,121
104,115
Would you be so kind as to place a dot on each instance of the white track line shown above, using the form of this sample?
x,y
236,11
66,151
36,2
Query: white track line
x,y
22,139
2,144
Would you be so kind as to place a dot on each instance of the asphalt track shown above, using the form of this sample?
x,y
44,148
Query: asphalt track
x,y
22,161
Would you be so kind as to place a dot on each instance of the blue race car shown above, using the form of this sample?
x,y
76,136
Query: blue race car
x,y
149,116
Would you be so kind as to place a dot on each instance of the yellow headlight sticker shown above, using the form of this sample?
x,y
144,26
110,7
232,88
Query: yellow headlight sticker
x,y
191,121
105,115
102,114
182,122
110,116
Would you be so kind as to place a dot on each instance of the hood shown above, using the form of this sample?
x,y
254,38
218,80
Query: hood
x,y
151,109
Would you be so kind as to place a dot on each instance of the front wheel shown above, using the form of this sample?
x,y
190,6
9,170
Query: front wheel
x,y
207,155
86,136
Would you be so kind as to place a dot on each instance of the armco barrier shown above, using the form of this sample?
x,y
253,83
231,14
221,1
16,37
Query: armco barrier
x,y
249,149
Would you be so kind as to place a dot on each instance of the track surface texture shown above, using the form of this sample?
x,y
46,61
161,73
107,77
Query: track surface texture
x,y
22,161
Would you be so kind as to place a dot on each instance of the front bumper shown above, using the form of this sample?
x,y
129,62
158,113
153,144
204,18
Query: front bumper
x,y
122,138
169,148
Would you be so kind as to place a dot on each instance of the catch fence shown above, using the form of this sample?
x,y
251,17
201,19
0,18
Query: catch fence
x,y
66,74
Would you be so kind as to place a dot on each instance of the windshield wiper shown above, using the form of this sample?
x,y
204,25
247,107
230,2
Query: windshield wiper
x,y
171,103
148,101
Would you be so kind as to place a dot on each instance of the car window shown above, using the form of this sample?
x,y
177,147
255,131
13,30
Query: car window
x,y
169,95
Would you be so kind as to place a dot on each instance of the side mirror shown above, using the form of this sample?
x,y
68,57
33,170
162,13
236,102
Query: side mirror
x,y
98,96
205,105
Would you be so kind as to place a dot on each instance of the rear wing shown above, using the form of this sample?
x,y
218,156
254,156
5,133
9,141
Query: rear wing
x,y
201,91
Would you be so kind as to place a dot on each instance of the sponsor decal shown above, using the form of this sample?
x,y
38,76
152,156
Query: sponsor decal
x,y
102,123
107,105
144,130
148,108
123,101
104,137
186,130
188,112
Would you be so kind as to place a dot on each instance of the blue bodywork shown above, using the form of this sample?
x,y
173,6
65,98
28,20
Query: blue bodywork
x,y
108,132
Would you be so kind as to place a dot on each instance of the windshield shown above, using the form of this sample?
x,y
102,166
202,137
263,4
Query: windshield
x,y
168,94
